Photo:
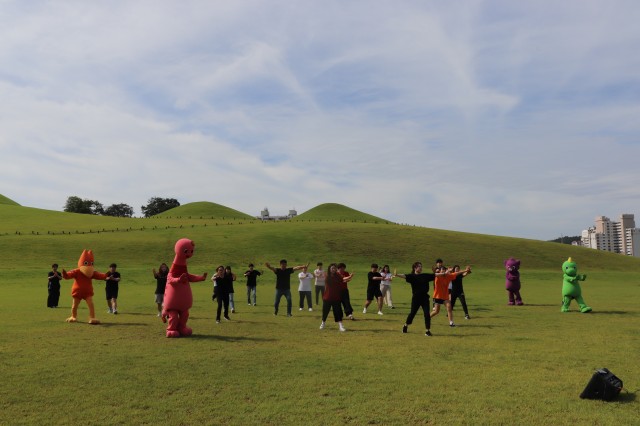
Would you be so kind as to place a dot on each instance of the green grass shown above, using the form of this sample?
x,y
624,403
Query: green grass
x,y
204,210
507,365
5,200
338,212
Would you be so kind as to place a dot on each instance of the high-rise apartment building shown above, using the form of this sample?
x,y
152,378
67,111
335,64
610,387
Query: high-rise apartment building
x,y
617,237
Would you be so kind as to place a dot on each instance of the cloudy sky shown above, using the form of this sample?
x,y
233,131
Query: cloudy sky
x,y
494,117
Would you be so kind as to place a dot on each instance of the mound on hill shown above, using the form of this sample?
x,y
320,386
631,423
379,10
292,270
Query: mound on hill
x,y
5,200
334,211
205,209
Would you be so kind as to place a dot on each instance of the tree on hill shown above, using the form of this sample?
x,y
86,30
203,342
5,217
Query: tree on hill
x,y
158,205
78,205
119,210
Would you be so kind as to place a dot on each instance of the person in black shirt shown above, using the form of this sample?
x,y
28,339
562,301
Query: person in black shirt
x,y
111,289
373,288
53,287
457,292
283,283
161,283
252,282
221,292
420,299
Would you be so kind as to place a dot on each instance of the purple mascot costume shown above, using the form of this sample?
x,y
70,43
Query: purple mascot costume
x,y
513,281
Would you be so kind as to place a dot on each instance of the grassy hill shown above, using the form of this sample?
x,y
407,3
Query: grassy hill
x,y
32,237
205,209
5,200
334,211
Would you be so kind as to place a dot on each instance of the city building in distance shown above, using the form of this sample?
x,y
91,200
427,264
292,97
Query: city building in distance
x,y
618,237
264,215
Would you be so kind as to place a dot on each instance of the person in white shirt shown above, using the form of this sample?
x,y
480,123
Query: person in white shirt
x,y
320,275
305,287
385,286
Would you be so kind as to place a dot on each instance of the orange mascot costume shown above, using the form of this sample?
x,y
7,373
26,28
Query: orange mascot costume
x,y
82,288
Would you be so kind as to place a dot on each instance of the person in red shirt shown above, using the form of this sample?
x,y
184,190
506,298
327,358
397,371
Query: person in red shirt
x,y
346,299
333,295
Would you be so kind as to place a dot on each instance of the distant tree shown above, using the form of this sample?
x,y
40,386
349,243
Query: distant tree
x,y
96,207
119,210
78,205
158,205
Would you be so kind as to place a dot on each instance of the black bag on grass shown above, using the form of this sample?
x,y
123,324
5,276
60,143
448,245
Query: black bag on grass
x,y
603,385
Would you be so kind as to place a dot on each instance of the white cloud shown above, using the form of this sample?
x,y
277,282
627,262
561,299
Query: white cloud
x,y
490,117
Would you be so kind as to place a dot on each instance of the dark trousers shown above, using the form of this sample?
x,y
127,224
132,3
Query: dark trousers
x,y
287,294
417,303
319,290
53,299
223,299
460,296
305,295
337,310
346,302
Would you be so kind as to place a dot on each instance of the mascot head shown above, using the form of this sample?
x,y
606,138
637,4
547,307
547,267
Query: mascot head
x,y
85,263
512,264
570,268
184,249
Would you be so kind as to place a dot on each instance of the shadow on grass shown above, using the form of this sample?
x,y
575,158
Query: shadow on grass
x,y
626,397
607,313
227,338
126,324
543,304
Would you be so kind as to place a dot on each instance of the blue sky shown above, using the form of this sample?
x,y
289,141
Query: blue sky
x,y
494,117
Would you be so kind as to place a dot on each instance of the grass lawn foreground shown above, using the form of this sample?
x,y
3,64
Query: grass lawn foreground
x,y
507,365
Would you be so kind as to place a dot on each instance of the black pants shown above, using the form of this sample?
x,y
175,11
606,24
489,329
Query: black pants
x,y
319,290
337,310
460,296
346,302
305,295
417,303
53,299
223,299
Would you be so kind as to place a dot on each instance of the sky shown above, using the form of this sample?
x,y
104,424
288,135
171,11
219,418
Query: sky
x,y
508,118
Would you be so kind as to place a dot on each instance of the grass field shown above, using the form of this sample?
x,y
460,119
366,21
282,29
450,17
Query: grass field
x,y
507,365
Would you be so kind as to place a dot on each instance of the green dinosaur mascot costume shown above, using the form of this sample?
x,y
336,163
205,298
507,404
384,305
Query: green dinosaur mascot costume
x,y
571,287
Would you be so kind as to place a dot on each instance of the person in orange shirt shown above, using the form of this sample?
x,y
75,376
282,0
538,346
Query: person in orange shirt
x,y
441,289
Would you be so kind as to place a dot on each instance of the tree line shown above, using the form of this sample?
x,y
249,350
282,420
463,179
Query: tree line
x,y
154,206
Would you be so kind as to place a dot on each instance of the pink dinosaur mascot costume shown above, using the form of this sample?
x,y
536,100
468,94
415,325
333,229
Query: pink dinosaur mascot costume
x,y
82,288
513,281
178,298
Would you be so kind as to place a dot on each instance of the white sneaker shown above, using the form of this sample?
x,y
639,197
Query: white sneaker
x,y
300,309
342,328
364,311
310,310
380,313
322,325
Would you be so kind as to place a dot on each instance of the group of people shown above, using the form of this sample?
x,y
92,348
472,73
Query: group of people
x,y
112,281
444,292
331,285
